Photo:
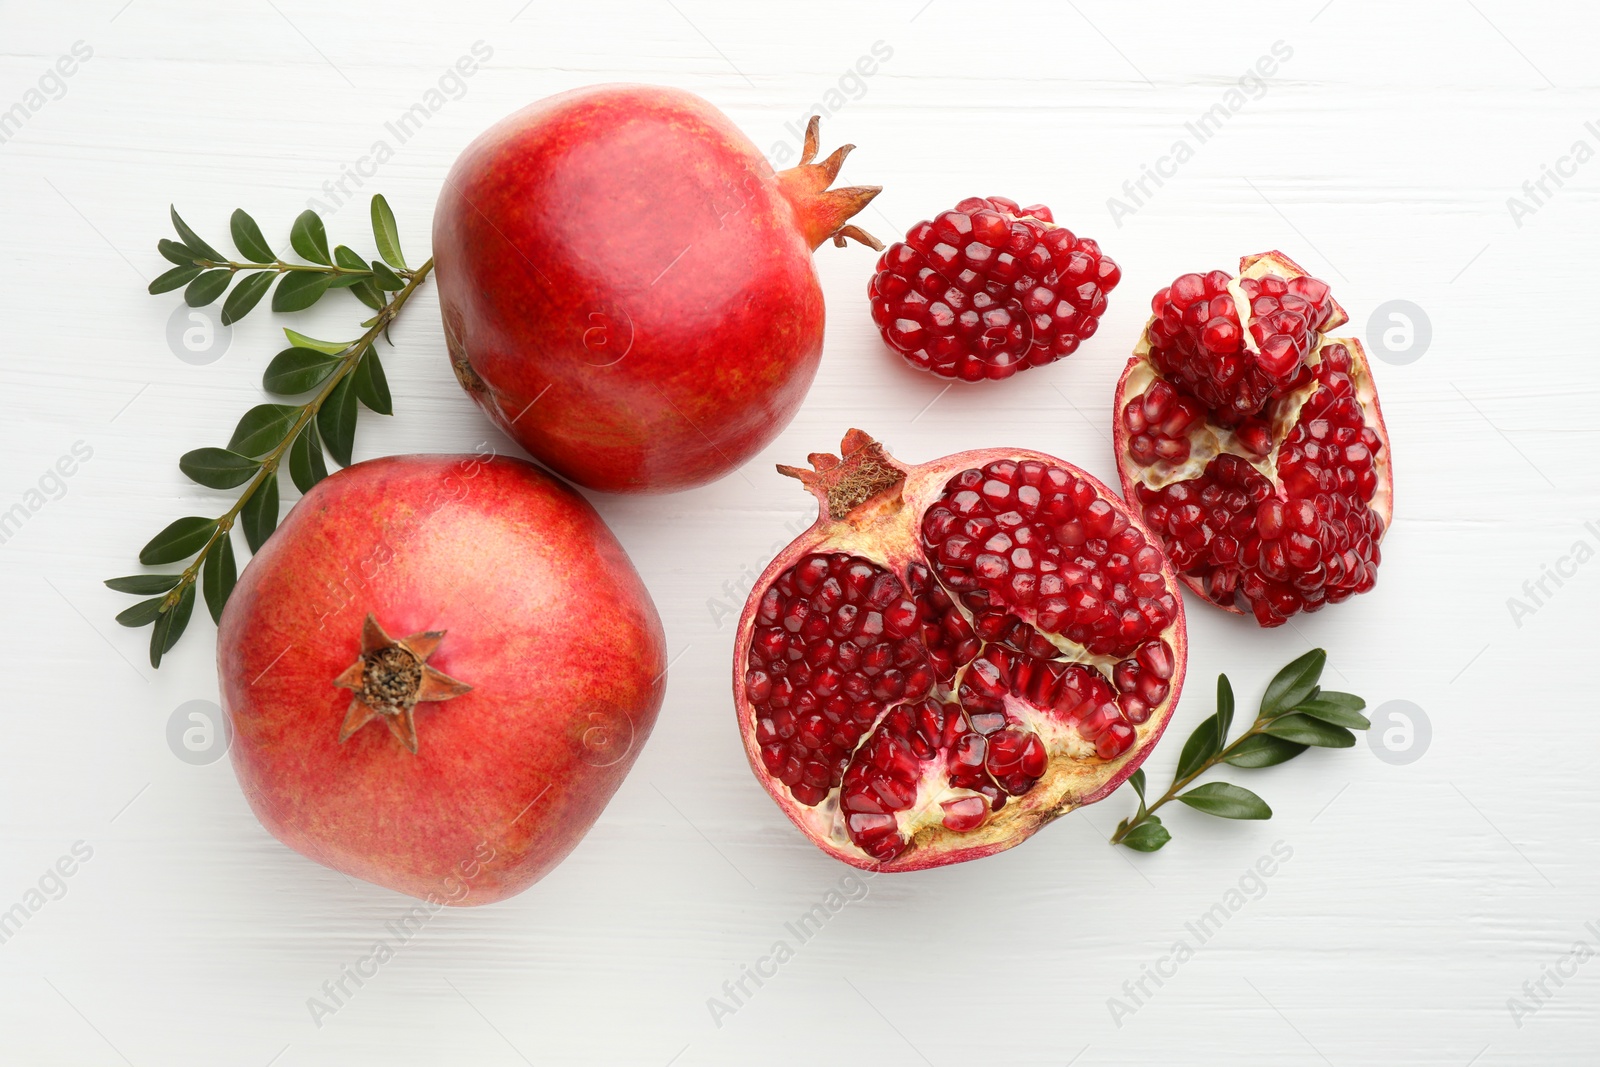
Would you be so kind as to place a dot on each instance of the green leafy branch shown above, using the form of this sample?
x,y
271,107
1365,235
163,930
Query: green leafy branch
x,y
1295,714
204,274
337,374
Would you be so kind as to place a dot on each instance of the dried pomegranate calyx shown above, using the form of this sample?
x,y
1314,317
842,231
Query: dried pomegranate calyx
x,y
844,483
390,678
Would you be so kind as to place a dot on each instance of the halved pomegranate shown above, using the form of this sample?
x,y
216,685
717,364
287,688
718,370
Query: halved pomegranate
x,y
1253,444
954,654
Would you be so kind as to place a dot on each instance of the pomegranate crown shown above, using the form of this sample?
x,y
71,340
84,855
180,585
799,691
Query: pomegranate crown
x,y
390,678
845,482
824,212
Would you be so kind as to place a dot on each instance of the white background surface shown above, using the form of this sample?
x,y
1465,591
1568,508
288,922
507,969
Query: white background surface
x,y
1418,899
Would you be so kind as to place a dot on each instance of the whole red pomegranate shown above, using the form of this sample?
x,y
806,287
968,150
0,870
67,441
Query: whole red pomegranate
x,y
438,671
955,654
627,285
1253,444
989,289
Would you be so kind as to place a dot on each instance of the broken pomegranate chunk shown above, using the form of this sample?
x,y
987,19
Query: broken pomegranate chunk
x,y
1253,444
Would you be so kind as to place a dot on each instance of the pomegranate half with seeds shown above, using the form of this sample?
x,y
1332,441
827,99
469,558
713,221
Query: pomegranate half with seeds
x,y
954,654
1253,443
989,289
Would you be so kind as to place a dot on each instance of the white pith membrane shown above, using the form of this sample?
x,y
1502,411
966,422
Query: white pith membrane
x,y
885,531
1207,439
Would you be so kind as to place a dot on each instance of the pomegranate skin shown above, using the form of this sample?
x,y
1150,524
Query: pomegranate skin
x,y
543,616
627,286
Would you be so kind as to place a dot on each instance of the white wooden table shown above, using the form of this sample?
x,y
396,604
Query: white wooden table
x,y
1420,892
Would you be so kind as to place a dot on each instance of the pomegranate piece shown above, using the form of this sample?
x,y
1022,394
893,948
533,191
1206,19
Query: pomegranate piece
x,y
627,286
1253,444
438,670
954,654
989,289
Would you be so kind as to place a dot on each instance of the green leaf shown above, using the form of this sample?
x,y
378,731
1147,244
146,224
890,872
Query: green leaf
x,y
144,584
1344,700
1309,731
245,296
300,340
1224,714
247,237
1226,801
192,239
368,294
170,626
176,278
1263,751
173,252
217,468
309,238
297,370
1200,747
1330,711
1136,779
1293,684
386,233
350,259
262,428
306,465
299,290
207,287
259,516
385,278
143,613
181,539
337,421
218,576
372,388
1148,836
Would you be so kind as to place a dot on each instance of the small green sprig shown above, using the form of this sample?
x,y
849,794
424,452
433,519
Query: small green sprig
x,y
1295,714
204,274
341,376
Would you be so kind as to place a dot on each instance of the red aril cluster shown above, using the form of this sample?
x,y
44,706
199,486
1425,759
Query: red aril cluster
x,y
955,654
1035,539
989,289
1254,446
1235,343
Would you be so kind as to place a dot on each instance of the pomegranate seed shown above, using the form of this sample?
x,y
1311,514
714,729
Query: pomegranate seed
x,y
1099,720
1117,739
965,813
